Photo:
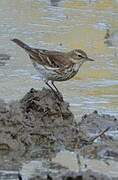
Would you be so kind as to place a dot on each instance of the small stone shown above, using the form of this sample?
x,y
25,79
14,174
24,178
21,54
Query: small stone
x,y
95,112
115,119
85,116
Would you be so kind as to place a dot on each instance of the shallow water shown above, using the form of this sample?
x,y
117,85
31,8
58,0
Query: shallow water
x,y
62,25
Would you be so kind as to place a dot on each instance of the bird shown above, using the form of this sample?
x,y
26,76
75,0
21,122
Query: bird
x,y
54,65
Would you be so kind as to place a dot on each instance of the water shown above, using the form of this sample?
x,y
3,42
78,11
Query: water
x,y
62,25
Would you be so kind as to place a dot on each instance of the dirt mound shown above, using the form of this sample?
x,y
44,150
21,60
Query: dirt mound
x,y
39,118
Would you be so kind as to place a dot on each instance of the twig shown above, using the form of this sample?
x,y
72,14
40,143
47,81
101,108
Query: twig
x,y
89,142
100,134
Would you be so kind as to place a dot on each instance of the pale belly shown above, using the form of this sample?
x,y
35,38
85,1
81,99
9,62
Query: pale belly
x,y
50,74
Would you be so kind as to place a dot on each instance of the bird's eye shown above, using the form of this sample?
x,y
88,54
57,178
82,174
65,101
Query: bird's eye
x,y
79,55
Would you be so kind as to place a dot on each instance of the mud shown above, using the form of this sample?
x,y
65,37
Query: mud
x,y
38,119
106,145
87,175
40,125
94,122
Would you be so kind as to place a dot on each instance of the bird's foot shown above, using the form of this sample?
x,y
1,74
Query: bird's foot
x,y
59,95
55,91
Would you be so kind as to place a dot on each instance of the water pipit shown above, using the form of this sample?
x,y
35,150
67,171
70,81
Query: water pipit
x,y
55,65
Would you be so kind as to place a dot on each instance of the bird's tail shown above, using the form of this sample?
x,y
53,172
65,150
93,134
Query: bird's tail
x,y
22,44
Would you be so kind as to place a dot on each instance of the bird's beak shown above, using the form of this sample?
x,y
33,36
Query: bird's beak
x,y
89,59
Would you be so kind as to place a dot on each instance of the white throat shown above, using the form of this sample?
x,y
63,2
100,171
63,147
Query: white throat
x,y
78,65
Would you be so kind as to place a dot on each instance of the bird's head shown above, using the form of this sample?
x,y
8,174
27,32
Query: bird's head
x,y
77,56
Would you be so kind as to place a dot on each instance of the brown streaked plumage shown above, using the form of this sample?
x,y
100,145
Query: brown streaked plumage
x,y
54,65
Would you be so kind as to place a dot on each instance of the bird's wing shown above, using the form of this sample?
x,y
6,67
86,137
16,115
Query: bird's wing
x,y
50,59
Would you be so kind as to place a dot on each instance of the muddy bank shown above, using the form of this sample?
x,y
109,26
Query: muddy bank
x,y
39,118
39,126
105,146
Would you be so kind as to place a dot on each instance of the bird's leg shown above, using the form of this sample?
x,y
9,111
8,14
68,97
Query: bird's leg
x,y
55,87
52,89
58,93
50,86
